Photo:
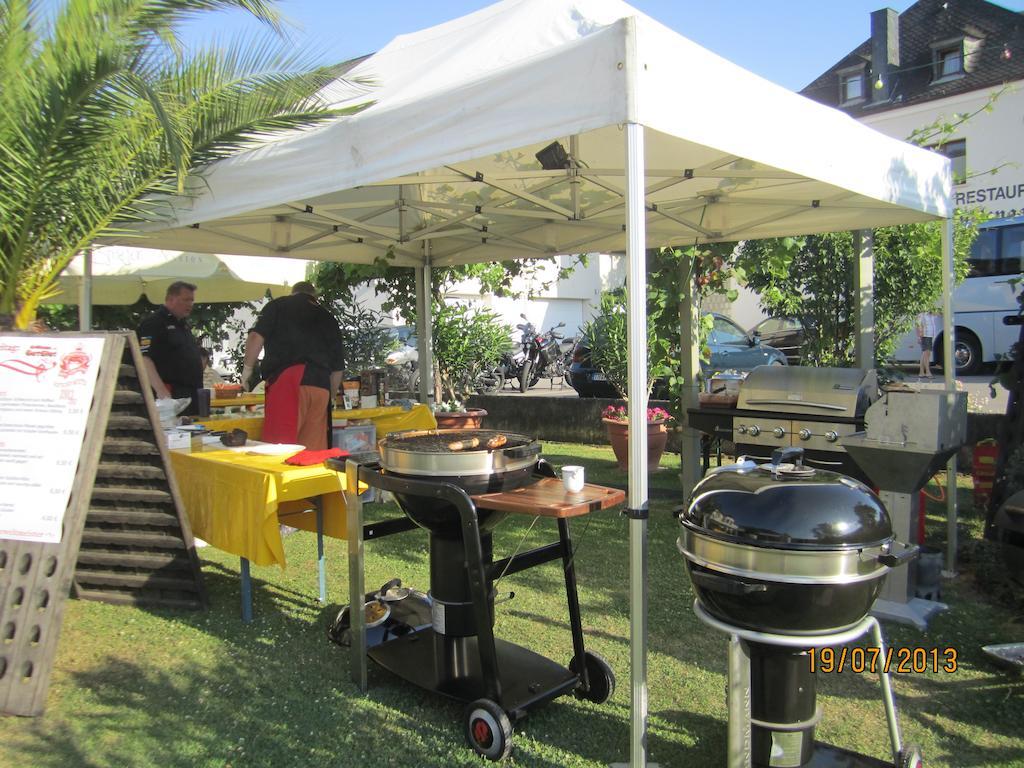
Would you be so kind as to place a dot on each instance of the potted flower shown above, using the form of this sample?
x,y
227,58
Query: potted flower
x,y
616,421
452,414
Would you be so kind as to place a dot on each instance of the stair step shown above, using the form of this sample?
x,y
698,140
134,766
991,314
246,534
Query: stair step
x,y
136,580
129,445
117,557
138,599
126,422
131,516
132,539
126,494
128,397
110,469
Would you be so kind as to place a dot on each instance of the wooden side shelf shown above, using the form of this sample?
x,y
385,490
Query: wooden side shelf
x,y
548,498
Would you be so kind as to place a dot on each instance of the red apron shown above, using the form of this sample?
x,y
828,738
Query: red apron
x,y
281,411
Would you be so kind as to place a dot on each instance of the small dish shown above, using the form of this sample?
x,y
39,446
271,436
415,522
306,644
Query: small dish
x,y
376,613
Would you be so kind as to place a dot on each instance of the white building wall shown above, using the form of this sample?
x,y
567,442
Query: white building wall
x,y
993,141
573,301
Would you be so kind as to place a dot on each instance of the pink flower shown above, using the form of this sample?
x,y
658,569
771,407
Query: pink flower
x,y
620,413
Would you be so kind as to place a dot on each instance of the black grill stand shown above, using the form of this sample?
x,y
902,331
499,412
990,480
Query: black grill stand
x,y
771,700
458,656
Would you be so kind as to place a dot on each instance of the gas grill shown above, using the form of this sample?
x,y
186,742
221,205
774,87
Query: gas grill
x,y
794,406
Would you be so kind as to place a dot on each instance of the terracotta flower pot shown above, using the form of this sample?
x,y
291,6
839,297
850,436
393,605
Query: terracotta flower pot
x,y
618,434
467,419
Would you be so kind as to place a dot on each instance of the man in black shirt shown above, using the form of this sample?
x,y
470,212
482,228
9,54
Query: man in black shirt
x,y
170,353
303,363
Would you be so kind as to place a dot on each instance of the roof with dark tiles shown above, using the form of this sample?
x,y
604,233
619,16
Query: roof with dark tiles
x,y
922,25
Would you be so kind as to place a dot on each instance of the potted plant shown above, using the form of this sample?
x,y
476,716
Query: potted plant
x,y
616,421
609,352
452,414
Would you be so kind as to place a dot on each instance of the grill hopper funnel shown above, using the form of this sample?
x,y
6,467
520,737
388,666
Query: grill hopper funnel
x,y
903,468
908,436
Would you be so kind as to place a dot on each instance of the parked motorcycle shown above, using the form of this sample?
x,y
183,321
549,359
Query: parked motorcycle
x,y
491,380
544,356
402,370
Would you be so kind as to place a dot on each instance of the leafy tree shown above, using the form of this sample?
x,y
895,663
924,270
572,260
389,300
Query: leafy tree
x,y
367,342
103,114
669,275
398,284
212,324
811,278
467,342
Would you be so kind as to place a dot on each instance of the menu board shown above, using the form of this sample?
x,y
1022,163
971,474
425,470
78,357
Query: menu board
x,y
46,390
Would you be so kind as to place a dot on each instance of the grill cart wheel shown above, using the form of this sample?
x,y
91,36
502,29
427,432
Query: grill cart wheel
x,y
910,757
488,730
600,676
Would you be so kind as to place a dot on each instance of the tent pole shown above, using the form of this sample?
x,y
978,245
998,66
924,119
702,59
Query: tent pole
x,y
636,284
864,289
948,375
85,293
424,325
689,371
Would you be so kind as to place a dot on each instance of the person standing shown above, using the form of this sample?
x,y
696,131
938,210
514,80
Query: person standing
x,y
927,325
169,351
303,363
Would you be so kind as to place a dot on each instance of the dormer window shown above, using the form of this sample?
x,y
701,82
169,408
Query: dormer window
x,y
952,59
852,86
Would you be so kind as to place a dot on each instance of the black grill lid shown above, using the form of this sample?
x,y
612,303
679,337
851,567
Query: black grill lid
x,y
823,510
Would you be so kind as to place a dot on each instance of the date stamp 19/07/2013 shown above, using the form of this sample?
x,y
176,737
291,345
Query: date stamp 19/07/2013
x,y
874,660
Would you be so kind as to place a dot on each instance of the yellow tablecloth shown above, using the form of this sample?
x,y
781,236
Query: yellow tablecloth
x,y
246,398
234,500
387,419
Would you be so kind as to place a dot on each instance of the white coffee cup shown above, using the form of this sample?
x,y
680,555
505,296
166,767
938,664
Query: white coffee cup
x,y
572,478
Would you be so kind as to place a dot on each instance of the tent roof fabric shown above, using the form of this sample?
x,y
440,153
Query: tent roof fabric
x,y
120,275
446,151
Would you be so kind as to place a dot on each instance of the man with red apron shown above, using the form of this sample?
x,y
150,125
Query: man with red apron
x,y
303,364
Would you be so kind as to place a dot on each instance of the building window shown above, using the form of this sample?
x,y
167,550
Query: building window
x,y
851,87
953,58
956,151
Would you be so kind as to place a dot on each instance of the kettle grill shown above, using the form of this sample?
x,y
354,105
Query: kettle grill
x,y
784,559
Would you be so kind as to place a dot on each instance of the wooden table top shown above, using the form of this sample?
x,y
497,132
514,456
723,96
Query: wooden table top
x,y
548,498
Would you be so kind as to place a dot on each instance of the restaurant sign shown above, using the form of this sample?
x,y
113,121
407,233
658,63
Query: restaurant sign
x,y
46,390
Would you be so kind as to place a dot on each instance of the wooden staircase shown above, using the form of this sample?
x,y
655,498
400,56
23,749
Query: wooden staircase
x,y
137,546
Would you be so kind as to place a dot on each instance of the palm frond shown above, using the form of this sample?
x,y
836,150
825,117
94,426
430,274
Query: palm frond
x,y
102,117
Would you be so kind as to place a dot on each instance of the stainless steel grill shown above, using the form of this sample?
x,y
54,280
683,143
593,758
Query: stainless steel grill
x,y
794,406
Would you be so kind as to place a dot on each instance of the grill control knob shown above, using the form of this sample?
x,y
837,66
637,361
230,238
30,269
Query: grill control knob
x,y
831,436
754,430
742,429
779,432
805,434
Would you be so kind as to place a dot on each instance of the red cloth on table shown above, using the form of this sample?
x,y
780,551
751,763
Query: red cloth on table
x,y
308,457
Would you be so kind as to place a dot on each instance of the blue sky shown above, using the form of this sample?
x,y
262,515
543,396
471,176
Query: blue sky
x,y
787,41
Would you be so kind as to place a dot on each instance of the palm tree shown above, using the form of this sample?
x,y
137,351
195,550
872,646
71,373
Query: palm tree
x,y
103,113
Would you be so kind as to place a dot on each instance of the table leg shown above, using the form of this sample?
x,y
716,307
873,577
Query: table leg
x,y
320,563
356,587
246,591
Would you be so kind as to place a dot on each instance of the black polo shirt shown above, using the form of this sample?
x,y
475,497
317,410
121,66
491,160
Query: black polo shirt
x,y
297,329
169,343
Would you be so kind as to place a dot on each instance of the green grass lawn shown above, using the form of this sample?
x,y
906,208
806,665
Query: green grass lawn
x,y
132,687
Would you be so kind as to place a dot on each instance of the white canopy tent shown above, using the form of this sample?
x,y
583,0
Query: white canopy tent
x,y
120,275
666,144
